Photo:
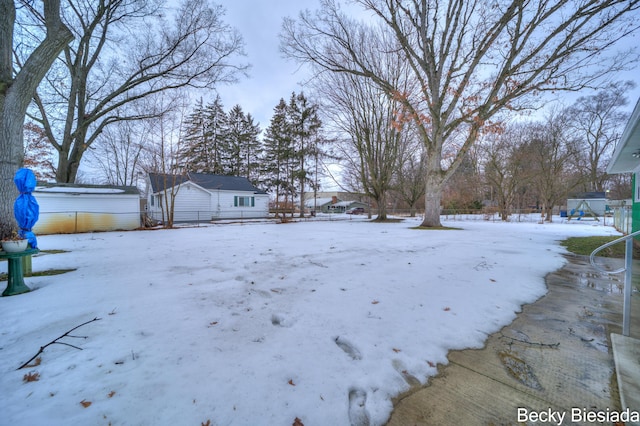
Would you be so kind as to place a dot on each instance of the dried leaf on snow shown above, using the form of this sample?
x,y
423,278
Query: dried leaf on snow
x,y
31,377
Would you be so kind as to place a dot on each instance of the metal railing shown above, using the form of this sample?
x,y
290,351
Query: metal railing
x,y
628,274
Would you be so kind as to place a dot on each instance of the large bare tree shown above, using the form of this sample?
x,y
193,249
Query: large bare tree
x,y
471,60
17,89
364,115
119,150
505,170
547,154
598,121
409,177
126,50
160,159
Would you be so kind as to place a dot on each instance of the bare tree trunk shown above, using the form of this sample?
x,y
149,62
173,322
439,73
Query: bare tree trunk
x,y
382,207
432,199
532,47
66,172
16,94
504,211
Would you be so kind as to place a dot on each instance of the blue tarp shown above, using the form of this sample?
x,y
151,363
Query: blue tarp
x,y
26,209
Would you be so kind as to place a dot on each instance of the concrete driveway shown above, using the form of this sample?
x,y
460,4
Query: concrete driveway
x,y
552,365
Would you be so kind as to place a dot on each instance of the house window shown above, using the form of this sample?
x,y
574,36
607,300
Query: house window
x,y
239,201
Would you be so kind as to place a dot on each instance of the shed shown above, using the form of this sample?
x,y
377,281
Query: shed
x,y
205,197
70,208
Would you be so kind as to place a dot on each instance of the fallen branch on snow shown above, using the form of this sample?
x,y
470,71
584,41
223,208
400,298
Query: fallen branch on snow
x,y
42,348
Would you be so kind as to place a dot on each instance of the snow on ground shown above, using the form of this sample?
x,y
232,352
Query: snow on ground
x,y
260,324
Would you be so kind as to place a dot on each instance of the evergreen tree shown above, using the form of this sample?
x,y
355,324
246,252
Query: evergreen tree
x,y
304,122
204,137
192,141
278,156
252,150
243,148
218,134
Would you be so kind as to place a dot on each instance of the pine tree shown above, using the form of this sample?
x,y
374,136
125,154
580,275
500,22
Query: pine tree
x,y
193,155
243,147
218,134
204,137
252,150
278,155
305,123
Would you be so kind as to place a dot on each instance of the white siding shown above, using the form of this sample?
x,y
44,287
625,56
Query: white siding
x,y
196,204
223,205
67,212
192,204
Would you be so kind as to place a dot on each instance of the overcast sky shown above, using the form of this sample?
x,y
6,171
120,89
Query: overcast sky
x,y
271,77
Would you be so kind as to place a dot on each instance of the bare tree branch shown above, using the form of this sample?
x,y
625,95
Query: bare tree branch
x,y
471,61
56,340
127,51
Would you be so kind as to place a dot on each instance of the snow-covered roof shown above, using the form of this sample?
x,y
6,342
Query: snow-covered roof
x,y
319,201
81,190
345,203
72,188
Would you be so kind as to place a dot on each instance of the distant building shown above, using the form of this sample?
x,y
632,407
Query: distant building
x,y
335,201
332,205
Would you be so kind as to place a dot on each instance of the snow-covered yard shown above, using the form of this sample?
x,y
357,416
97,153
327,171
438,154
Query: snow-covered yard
x,y
260,324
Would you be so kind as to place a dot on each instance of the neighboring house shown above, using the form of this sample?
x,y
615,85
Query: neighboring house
x,y
343,206
70,208
205,197
320,204
626,159
332,205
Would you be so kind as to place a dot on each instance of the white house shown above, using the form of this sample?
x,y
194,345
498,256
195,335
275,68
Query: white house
x,y
205,197
320,204
70,208
332,204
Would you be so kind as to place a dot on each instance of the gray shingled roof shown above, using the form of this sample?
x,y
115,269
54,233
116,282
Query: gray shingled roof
x,y
207,181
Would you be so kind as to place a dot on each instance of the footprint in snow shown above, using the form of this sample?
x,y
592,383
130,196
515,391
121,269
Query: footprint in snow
x,y
402,369
348,348
280,320
358,415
